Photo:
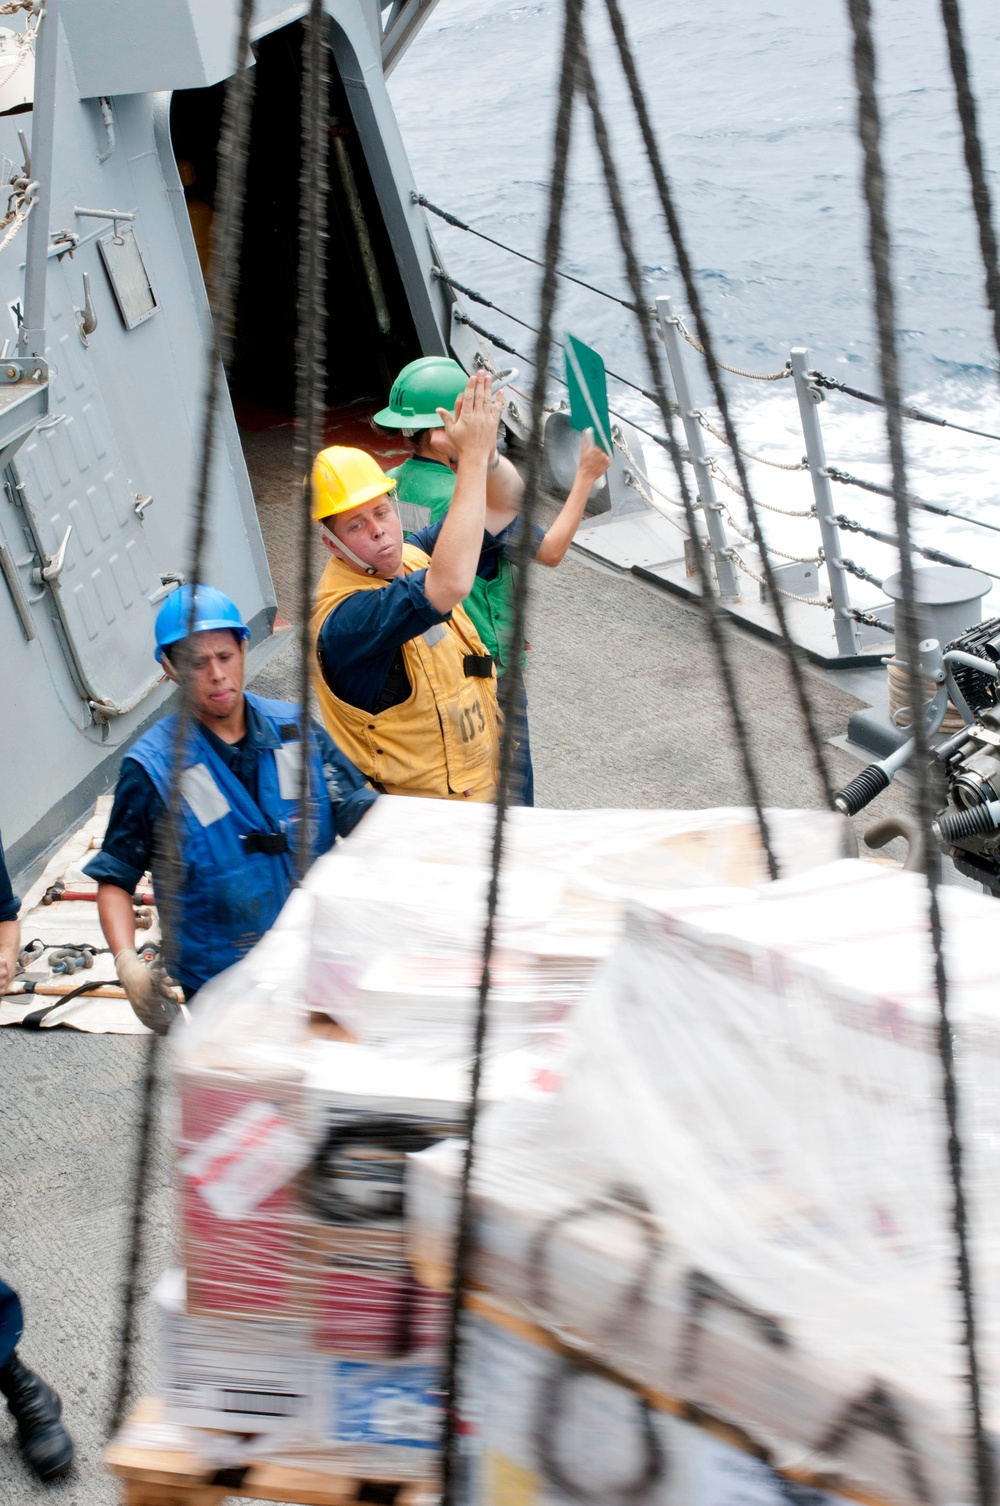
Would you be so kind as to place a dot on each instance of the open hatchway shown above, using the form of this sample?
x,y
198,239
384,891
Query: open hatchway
x,y
370,326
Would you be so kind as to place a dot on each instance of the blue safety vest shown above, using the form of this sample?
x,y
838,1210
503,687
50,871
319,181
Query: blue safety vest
x,y
232,889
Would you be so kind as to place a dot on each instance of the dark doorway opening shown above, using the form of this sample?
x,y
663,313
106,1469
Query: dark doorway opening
x,y
370,330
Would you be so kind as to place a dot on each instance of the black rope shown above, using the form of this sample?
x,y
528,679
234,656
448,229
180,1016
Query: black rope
x,y
462,318
869,131
707,596
793,654
554,376
452,219
980,196
714,616
939,511
510,699
452,282
906,410
137,1237
226,238
310,354
966,103
851,525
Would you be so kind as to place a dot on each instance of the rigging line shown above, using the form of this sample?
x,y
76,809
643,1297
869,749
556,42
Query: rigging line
x,y
511,702
734,486
966,103
310,359
868,618
792,653
642,481
226,237
825,602
451,282
754,376
555,377
452,219
906,409
938,555
879,248
860,572
462,318
846,479
798,559
653,349
778,465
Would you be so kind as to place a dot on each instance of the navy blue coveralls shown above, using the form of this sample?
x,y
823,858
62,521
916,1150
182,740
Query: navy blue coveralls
x,y
232,892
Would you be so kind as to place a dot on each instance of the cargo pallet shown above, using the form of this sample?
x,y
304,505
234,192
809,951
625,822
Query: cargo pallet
x,y
169,1477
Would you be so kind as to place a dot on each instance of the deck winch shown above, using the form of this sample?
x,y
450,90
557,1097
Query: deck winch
x,y
968,827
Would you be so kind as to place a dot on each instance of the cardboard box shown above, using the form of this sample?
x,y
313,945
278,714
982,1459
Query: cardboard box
x,y
237,1375
263,1379
368,1302
241,1151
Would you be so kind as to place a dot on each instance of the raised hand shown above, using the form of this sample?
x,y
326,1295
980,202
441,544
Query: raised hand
x,y
593,462
472,431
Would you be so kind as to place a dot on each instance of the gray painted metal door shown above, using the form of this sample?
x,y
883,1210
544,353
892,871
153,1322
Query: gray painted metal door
x,y
72,476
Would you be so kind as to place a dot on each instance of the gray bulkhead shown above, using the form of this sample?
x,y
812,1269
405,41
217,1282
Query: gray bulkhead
x,y
115,458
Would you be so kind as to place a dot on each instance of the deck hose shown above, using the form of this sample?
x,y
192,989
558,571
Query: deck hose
x,y
977,821
862,790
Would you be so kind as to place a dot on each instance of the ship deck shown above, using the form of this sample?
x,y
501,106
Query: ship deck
x,y
625,709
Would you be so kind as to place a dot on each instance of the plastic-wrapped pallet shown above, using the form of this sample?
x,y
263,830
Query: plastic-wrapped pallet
x,y
298,1317
338,1047
545,1429
397,934
739,1197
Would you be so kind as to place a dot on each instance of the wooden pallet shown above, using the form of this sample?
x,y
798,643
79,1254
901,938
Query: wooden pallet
x,y
165,1477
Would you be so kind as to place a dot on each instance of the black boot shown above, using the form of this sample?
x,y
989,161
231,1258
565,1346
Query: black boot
x,y
35,1407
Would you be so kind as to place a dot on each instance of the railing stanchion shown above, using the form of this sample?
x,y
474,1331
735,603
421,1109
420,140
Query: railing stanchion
x,y
31,336
725,570
843,624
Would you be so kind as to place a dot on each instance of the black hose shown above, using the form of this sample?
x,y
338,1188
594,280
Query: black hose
x,y
977,821
862,790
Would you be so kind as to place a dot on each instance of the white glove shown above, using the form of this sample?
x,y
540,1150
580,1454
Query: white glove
x,y
149,993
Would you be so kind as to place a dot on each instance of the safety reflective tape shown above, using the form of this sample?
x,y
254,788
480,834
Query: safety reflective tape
x,y
413,516
203,795
435,634
289,761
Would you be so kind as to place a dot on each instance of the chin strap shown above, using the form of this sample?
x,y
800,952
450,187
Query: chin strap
x,y
342,547
368,569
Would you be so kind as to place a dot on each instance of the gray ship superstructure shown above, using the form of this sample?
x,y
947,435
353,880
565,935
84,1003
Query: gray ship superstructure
x,y
104,324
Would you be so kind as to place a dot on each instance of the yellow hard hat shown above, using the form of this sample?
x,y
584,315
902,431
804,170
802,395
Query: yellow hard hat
x,y
343,478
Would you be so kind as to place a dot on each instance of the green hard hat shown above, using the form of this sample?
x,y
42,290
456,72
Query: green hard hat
x,y
426,384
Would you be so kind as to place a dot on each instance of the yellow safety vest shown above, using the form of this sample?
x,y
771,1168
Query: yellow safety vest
x,y
441,743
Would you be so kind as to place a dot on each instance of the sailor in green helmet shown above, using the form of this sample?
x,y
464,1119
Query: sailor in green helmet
x,y
424,486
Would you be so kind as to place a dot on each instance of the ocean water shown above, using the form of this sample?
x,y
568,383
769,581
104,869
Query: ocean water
x,y
755,112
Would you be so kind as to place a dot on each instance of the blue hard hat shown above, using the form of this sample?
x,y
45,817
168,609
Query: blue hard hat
x,y
213,610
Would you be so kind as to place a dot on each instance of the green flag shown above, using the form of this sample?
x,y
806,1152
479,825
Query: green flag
x,y
588,392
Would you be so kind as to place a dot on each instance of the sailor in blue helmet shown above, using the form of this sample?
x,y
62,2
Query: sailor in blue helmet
x,y
239,815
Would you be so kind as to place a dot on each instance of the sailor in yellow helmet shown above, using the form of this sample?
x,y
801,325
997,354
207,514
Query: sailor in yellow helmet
x,y
405,685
